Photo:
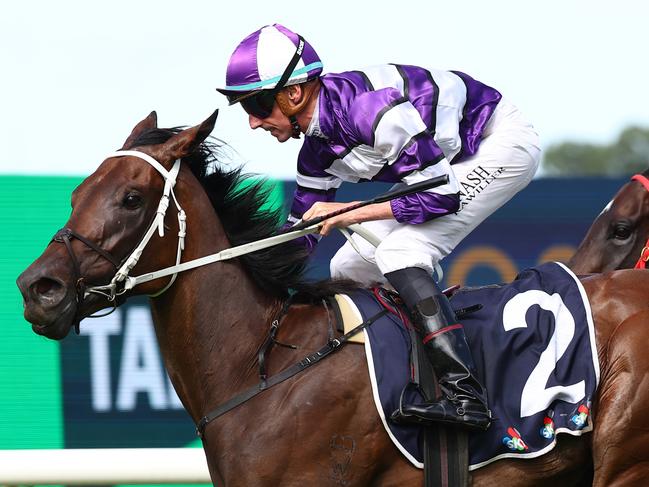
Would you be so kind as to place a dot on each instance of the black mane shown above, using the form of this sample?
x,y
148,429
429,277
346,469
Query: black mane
x,y
238,199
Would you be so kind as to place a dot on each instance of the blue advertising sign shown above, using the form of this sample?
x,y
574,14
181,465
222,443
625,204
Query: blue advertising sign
x,y
116,392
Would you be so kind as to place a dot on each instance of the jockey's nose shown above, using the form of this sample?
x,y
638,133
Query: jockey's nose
x,y
254,122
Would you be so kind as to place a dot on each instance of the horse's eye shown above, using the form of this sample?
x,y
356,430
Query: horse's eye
x,y
621,231
132,201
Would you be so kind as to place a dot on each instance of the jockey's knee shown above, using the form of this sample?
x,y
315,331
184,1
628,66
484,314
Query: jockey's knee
x,y
336,267
392,256
342,262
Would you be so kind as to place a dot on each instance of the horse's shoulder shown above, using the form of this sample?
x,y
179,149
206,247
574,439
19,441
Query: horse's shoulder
x,y
618,299
625,282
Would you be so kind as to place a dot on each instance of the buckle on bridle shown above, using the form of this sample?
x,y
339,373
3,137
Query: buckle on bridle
x,y
62,234
109,291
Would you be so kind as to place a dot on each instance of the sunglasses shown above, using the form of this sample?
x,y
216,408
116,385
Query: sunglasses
x,y
258,104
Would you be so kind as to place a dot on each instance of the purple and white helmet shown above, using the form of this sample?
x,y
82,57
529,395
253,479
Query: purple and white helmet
x,y
260,59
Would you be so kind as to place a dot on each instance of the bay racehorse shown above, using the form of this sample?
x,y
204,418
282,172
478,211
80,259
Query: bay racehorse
x,y
619,236
320,427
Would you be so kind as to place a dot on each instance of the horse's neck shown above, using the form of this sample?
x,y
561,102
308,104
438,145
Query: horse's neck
x,y
212,320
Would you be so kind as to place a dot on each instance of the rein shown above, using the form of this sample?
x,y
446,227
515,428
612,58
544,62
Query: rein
x,y
122,276
644,254
121,281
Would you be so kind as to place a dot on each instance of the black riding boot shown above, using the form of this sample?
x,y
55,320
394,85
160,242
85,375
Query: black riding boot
x,y
464,400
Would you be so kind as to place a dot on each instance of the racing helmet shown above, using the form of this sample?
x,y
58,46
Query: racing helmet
x,y
263,61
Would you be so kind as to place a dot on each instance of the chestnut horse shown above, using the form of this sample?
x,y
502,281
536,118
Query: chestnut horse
x,y
319,427
619,234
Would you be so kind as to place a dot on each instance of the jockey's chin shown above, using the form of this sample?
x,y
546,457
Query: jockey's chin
x,y
277,124
282,134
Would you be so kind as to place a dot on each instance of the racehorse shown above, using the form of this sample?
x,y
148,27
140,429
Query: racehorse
x,y
618,236
320,427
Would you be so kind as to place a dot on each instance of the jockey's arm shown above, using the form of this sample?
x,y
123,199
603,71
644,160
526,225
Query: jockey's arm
x,y
379,211
310,191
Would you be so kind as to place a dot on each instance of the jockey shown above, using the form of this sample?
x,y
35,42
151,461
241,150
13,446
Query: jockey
x,y
399,124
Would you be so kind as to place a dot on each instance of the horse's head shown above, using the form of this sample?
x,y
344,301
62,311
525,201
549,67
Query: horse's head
x,y
618,234
111,211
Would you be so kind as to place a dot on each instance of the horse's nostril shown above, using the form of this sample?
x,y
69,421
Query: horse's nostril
x,y
46,287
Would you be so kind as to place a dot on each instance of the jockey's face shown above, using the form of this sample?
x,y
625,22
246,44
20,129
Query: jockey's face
x,y
276,123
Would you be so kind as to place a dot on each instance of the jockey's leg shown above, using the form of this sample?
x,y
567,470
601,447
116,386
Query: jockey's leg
x,y
506,162
464,398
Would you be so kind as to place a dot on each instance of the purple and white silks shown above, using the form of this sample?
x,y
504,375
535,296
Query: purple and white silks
x,y
397,124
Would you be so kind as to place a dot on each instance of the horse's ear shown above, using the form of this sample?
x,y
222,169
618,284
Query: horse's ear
x,y
185,142
150,122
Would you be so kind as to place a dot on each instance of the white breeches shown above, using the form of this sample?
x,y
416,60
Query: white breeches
x,y
505,163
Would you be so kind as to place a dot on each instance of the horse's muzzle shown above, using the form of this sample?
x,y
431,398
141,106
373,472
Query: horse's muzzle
x,y
49,304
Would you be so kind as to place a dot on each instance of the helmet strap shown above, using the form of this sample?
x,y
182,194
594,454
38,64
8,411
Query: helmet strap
x,y
295,126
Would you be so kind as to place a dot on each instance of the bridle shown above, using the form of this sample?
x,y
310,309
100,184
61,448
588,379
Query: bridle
x,y
644,253
123,267
121,281
115,287
64,236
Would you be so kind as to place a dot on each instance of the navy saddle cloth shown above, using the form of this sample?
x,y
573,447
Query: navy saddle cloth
x,y
533,344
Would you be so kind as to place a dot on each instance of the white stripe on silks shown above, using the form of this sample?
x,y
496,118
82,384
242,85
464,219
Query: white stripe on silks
x,y
395,129
450,104
362,162
340,169
383,76
442,167
274,52
313,182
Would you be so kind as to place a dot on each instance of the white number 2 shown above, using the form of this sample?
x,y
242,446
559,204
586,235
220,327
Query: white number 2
x,y
535,396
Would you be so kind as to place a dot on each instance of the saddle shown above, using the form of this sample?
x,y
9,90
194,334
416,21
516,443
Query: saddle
x,y
445,449
533,344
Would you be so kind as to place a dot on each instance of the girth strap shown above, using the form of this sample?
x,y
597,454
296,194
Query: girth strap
x,y
332,346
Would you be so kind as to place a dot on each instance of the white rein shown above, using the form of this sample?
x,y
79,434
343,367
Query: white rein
x,y
110,291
